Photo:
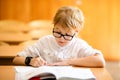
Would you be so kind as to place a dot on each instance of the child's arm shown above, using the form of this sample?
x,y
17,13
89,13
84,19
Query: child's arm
x,y
90,61
96,60
35,61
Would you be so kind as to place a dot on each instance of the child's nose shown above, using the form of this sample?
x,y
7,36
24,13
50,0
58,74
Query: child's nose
x,y
62,38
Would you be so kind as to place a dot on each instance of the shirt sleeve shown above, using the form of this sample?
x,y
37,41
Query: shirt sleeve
x,y
33,50
29,51
87,50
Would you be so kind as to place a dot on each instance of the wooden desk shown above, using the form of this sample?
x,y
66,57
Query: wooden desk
x,y
8,73
101,74
13,26
9,51
14,37
7,54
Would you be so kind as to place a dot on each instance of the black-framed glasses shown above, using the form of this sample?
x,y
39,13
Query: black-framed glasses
x,y
66,36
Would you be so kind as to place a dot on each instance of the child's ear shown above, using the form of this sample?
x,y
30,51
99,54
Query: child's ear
x,y
76,32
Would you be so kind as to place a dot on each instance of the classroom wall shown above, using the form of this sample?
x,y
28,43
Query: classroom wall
x,y
102,19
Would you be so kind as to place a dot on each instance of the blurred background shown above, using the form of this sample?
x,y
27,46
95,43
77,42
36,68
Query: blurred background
x,y
101,29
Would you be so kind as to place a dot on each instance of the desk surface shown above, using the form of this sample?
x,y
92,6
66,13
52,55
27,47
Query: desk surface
x,y
9,51
14,37
8,73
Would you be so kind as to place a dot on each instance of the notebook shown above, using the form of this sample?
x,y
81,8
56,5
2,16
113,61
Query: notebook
x,y
55,72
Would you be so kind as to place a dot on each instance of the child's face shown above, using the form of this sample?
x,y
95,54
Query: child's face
x,y
63,35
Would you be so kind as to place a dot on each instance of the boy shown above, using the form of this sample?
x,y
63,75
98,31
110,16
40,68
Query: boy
x,y
63,47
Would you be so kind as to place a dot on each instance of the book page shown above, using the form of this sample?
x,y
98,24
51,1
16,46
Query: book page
x,y
61,72
75,74
27,72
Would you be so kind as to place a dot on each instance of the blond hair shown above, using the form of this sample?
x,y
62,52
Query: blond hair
x,y
69,16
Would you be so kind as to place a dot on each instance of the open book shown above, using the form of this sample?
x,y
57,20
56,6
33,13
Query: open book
x,y
58,72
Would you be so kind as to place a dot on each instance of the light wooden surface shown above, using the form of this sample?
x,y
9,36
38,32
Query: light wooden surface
x,y
101,74
9,51
8,73
14,37
2,43
27,43
40,24
36,34
13,26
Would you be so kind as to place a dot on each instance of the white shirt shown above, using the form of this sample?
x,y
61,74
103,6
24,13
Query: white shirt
x,y
49,50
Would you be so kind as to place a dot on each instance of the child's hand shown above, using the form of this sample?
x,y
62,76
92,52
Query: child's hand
x,y
38,61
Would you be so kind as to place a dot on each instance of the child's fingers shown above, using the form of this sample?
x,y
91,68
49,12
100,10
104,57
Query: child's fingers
x,y
38,61
42,61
